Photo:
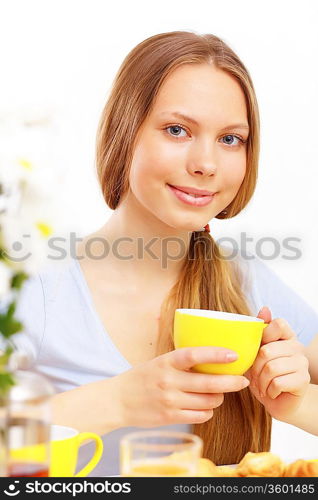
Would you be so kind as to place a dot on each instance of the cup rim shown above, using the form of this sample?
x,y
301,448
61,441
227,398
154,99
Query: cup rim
x,y
227,316
193,440
70,430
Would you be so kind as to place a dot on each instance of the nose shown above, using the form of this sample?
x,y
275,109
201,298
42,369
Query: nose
x,y
203,160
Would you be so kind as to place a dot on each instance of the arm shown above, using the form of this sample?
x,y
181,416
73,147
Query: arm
x,y
280,378
264,286
311,352
92,407
161,391
306,416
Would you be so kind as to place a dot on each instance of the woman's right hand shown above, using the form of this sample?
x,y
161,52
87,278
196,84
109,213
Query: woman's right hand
x,y
164,391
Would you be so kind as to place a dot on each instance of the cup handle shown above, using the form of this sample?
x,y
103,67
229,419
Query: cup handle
x,y
97,452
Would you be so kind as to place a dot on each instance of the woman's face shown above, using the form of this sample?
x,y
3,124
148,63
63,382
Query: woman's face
x,y
207,155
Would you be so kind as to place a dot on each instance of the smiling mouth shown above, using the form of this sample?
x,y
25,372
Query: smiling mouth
x,y
195,192
192,199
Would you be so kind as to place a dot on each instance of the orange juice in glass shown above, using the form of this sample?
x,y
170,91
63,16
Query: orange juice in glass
x,y
160,454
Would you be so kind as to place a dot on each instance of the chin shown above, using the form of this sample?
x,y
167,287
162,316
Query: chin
x,y
191,227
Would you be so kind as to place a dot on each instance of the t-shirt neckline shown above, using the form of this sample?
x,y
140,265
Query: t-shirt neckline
x,y
89,298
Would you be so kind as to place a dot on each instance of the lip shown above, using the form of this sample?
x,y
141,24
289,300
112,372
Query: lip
x,y
191,190
201,201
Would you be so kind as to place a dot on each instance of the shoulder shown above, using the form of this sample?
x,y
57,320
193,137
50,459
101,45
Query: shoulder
x,y
245,270
262,286
43,287
34,302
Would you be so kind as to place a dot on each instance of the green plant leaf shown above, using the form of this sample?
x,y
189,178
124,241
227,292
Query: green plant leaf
x,y
9,325
6,382
18,280
11,309
4,358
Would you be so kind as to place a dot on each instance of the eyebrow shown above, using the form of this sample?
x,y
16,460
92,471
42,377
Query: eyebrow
x,y
178,114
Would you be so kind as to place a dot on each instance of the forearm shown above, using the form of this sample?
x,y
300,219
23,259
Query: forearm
x,y
306,416
311,352
93,407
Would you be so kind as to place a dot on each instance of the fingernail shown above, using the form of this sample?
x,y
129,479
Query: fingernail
x,y
231,356
246,382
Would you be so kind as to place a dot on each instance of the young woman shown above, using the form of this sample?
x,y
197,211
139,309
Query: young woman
x,y
178,145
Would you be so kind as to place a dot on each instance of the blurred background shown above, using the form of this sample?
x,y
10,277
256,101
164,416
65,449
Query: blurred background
x,y
58,61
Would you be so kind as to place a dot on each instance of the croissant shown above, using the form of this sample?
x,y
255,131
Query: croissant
x,y
208,469
302,468
264,464
226,471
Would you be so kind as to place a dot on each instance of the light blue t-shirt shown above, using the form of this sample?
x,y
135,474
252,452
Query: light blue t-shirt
x,y
65,340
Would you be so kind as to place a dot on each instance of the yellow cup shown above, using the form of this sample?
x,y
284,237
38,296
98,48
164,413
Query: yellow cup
x,y
64,446
240,333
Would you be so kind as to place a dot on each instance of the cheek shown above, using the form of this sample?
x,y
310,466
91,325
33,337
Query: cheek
x,y
153,162
234,172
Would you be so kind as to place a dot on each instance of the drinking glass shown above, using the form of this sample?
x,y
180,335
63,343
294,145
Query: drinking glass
x,y
160,453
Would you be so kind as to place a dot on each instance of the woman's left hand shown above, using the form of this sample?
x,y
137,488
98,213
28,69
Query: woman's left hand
x,y
279,377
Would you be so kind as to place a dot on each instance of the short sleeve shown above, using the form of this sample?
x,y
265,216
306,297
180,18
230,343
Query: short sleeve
x,y
30,311
263,287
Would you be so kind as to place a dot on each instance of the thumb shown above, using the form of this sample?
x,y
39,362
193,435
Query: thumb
x,y
265,314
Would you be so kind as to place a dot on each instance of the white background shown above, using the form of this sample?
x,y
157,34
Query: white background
x,y
58,59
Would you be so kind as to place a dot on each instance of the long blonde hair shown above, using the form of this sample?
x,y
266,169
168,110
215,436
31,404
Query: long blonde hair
x,y
207,280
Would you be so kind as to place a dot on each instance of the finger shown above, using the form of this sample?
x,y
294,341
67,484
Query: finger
x,y
278,329
204,383
271,351
293,383
185,358
194,416
192,401
277,368
265,314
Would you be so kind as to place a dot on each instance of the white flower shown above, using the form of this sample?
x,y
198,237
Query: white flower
x,y
5,280
30,185
25,241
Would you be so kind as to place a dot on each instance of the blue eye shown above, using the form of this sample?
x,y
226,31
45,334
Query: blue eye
x,y
176,128
231,136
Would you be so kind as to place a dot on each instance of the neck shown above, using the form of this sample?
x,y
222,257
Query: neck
x,y
141,244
